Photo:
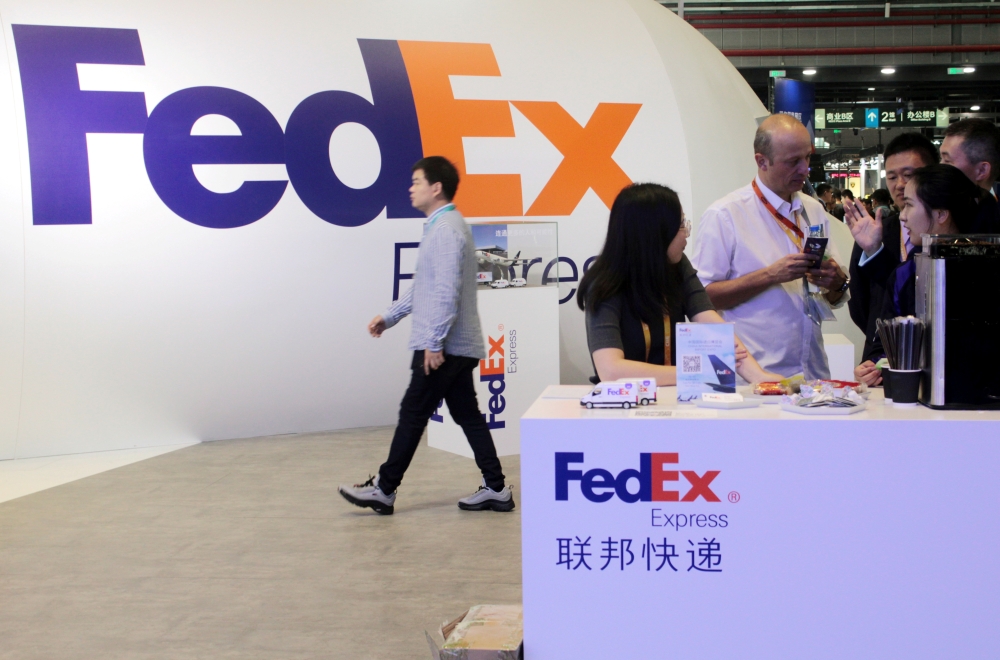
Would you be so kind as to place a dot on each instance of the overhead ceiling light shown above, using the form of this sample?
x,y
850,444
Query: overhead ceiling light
x,y
808,72
888,70
969,69
974,108
871,89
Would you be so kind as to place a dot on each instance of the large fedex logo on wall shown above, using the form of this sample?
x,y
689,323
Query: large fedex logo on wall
x,y
412,113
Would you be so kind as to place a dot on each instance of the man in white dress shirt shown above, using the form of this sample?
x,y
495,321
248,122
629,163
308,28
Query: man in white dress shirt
x,y
748,253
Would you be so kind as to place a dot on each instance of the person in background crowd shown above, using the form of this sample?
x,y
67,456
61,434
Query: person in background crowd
x,y
447,344
838,206
825,193
867,201
938,199
748,254
846,196
881,243
973,146
641,286
880,198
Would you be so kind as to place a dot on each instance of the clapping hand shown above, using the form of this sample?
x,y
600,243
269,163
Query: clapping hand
x,y
867,231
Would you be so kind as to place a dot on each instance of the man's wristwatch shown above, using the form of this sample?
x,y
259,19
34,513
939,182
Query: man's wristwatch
x,y
847,283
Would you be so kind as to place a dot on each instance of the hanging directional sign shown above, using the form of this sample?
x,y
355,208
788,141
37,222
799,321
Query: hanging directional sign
x,y
845,118
919,117
889,118
875,117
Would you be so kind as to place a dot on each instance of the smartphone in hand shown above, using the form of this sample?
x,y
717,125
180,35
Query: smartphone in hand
x,y
816,246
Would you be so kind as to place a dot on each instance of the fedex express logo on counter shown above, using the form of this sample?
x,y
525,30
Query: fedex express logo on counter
x,y
655,482
491,370
413,113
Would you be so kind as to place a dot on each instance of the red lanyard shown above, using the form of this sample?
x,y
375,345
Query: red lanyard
x,y
786,224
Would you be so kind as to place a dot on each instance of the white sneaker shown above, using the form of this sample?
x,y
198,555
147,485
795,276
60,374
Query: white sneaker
x,y
487,499
368,494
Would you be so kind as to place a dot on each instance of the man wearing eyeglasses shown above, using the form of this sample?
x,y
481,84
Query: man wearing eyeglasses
x,y
881,243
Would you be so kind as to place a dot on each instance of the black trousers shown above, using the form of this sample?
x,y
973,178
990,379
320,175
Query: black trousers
x,y
452,381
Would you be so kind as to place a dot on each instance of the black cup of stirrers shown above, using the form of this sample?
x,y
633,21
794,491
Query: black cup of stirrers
x,y
902,339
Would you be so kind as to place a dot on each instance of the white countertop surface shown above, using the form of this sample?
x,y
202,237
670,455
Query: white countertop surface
x,y
563,402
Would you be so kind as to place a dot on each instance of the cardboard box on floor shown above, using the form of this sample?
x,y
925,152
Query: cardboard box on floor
x,y
484,632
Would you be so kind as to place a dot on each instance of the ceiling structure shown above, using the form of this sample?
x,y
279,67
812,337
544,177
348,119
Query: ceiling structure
x,y
913,86
849,42
900,56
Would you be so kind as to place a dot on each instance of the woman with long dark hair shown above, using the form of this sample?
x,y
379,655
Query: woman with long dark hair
x,y
938,199
641,286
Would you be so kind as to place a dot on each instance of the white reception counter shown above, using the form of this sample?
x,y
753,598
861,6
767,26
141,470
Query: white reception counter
x,y
679,532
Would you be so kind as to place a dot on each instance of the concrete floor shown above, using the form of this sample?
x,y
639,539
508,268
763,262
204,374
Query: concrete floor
x,y
243,549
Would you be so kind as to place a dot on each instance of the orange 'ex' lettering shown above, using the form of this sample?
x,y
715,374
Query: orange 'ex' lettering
x,y
587,150
491,367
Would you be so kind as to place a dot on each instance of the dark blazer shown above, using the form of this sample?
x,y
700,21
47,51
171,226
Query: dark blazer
x,y
988,218
868,283
900,299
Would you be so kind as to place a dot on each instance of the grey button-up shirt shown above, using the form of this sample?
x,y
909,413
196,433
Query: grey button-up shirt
x,y
443,296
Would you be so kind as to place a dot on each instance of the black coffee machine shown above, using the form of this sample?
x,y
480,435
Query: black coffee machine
x,y
958,298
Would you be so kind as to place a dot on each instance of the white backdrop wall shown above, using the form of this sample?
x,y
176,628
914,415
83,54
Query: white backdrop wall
x,y
144,328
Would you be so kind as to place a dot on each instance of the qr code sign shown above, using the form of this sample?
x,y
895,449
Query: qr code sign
x,y
691,364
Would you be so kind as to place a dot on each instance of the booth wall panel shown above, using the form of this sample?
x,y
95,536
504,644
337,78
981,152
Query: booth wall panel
x,y
143,329
11,265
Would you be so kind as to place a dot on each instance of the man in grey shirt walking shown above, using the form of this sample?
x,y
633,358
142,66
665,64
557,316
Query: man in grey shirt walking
x,y
447,344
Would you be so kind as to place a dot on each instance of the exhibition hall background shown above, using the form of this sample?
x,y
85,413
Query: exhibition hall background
x,y
185,308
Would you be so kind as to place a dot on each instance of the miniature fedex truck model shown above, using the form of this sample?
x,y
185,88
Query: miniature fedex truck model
x,y
612,395
646,389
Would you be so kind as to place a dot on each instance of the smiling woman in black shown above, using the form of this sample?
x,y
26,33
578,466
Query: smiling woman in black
x,y
641,286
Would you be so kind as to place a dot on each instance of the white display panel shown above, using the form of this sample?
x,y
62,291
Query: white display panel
x,y
865,536
521,328
12,311
842,238
160,320
840,355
